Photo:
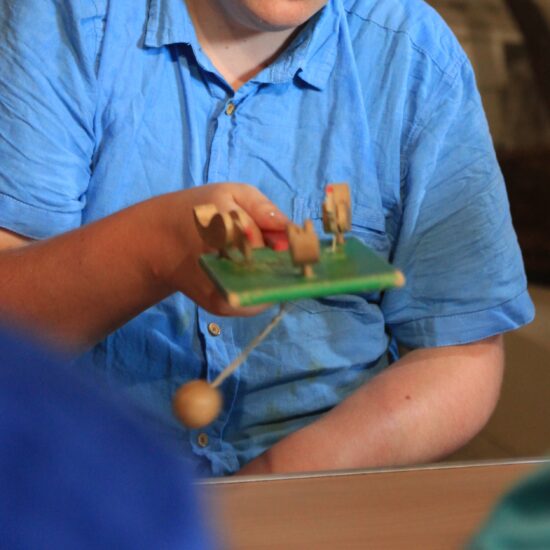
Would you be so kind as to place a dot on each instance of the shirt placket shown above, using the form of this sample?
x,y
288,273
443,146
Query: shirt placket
x,y
223,128
219,346
219,350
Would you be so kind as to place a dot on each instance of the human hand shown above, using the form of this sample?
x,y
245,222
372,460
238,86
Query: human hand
x,y
178,264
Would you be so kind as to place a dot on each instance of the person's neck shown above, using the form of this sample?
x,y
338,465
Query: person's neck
x,y
237,52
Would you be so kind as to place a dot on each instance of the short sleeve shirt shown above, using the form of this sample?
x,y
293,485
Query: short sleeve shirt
x,y
105,104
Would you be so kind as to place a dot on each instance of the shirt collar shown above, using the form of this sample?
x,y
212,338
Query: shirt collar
x,y
321,37
169,22
310,57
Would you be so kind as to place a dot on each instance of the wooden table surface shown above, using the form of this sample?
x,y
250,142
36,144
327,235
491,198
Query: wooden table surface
x,y
437,507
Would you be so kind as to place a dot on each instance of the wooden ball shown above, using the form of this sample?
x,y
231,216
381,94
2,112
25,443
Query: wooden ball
x,y
197,404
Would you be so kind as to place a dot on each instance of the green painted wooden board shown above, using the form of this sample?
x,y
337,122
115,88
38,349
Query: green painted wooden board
x,y
271,277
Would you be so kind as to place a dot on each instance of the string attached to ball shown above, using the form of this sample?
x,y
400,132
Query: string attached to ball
x,y
198,403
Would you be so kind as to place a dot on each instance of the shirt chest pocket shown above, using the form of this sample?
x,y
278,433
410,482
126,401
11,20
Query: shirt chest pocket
x,y
367,225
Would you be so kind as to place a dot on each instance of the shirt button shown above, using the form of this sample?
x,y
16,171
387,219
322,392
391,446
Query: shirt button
x,y
214,329
202,440
230,108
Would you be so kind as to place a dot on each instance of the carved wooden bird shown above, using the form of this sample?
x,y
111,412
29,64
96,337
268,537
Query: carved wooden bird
x,y
337,210
223,230
304,246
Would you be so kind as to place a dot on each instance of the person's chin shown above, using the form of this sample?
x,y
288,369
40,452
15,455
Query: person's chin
x,y
272,19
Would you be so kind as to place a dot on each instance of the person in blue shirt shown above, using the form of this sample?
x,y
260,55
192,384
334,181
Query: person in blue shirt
x,y
77,470
116,118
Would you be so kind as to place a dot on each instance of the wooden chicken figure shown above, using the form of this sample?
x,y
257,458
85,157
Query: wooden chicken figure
x,y
223,230
304,246
337,212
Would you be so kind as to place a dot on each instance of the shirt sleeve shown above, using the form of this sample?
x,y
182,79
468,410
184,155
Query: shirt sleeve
x,y
456,244
48,53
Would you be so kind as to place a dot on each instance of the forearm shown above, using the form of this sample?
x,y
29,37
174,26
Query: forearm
x,y
425,406
79,286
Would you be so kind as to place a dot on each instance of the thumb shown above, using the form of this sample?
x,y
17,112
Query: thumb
x,y
260,209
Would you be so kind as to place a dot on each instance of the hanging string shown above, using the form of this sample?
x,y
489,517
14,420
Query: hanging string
x,y
236,363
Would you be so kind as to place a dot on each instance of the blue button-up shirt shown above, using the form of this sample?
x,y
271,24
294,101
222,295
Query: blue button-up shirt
x,y
104,104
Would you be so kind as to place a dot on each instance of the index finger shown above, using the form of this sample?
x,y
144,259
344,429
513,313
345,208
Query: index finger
x,y
259,208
